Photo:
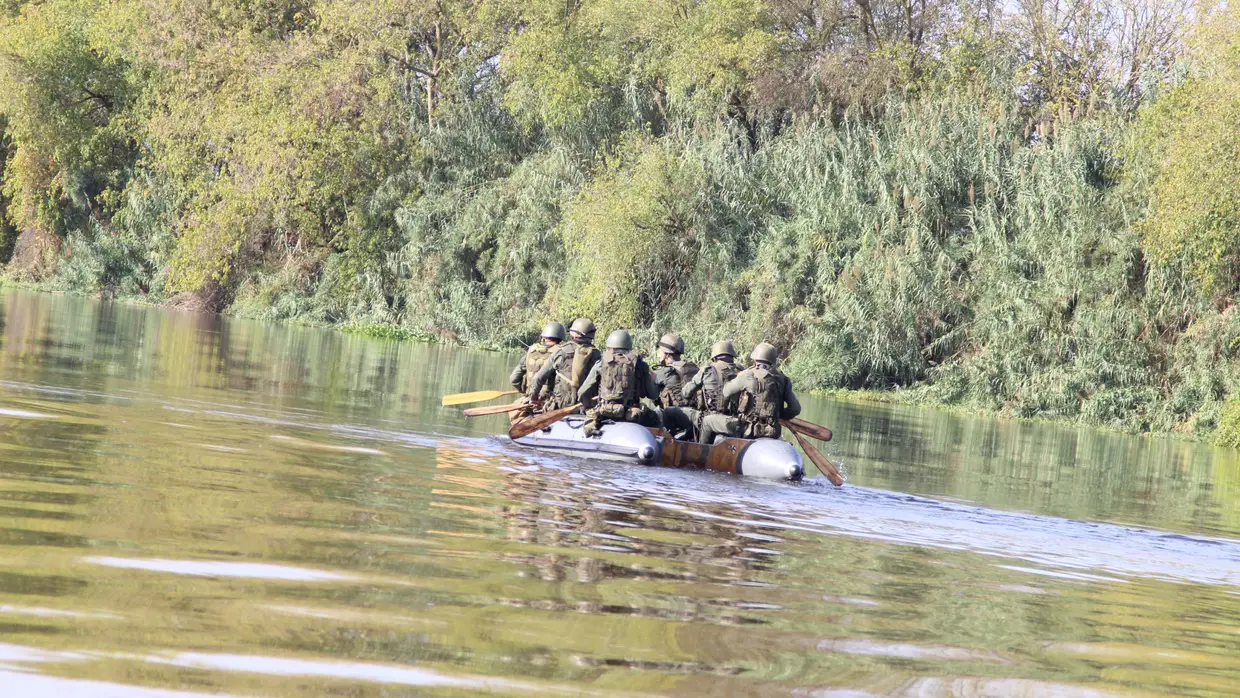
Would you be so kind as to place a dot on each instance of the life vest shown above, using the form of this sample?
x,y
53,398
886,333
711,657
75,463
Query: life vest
x,y
762,401
670,394
710,397
537,355
618,378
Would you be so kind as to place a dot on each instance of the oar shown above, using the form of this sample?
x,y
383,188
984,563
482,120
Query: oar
x,y
808,428
494,409
530,425
480,396
820,461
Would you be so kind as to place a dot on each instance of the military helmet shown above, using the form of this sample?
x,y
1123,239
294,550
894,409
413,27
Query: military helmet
x,y
672,343
620,339
766,353
583,326
722,348
553,330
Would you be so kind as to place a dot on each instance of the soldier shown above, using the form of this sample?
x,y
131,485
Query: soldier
x,y
706,389
522,376
673,372
765,397
568,367
616,385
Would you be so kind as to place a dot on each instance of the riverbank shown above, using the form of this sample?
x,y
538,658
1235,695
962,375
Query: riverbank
x,y
920,395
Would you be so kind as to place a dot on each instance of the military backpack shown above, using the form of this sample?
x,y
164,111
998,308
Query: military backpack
x,y
710,397
761,402
670,395
535,358
618,378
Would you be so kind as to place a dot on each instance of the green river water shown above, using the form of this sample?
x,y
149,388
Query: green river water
x,y
193,505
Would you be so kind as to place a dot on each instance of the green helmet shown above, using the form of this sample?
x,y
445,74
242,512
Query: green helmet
x,y
766,353
672,342
583,326
620,339
722,348
553,330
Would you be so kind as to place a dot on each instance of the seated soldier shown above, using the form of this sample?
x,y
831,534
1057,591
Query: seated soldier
x,y
673,371
672,374
614,388
522,376
568,367
764,397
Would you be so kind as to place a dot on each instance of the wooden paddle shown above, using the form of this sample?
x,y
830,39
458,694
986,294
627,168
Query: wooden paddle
x,y
479,396
820,461
495,409
808,428
530,425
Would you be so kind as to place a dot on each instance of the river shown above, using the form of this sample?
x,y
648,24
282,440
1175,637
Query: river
x,y
193,505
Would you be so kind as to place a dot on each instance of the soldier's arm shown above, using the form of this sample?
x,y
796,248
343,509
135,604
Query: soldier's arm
x,y
518,374
589,387
691,388
545,376
648,387
734,387
792,406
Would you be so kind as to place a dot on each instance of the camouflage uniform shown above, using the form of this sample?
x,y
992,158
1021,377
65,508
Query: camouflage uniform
x,y
615,387
565,371
764,396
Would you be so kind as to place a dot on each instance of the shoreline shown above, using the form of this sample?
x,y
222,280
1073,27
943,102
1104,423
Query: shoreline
x,y
904,397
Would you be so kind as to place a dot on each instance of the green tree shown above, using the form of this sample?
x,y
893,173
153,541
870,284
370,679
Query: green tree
x,y
1192,138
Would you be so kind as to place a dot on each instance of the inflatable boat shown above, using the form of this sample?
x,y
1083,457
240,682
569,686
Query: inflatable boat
x,y
762,458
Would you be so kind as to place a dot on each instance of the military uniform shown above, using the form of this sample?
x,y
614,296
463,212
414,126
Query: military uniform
x,y
764,396
529,366
705,391
522,376
671,379
565,371
616,385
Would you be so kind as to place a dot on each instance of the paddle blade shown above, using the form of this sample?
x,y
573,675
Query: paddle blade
x,y
808,428
820,461
479,396
494,409
528,426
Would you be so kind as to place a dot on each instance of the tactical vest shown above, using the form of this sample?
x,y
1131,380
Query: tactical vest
x,y
537,355
584,358
710,397
762,402
670,394
572,363
617,382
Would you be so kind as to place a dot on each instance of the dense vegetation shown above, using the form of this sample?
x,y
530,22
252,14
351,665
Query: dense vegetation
x,y
1032,208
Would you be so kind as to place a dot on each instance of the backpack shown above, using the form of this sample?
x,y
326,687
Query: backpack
x,y
670,395
618,378
572,363
762,402
584,358
535,358
710,398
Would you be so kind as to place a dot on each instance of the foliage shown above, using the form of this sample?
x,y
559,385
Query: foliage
x,y
1027,207
1193,138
